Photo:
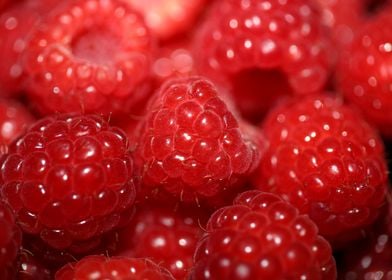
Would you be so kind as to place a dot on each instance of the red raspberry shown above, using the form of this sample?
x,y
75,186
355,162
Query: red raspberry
x,y
364,75
115,268
69,179
167,237
327,161
371,258
89,56
167,18
30,268
343,17
262,237
14,119
191,145
263,50
175,60
10,241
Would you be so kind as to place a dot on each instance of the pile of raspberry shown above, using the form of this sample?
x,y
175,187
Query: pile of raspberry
x,y
195,139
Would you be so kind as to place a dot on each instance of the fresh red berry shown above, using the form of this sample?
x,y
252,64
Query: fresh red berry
x,y
263,50
69,179
262,237
115,268
370,259
89,56
10,241
30,268
343,18
14,120
167,18
327,161
364,71
167,237
174,59
191,145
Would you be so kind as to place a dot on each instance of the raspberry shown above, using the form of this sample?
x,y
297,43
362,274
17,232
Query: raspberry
x,y
327,161
89,56
175,60
191,145
167,18
343,17
10,241
263,50
115,268
363,72
14,119
30,268
167,237
371,258
69,180
262,237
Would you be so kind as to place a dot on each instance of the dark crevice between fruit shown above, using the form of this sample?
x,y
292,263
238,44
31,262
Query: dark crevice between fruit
x,y
257,90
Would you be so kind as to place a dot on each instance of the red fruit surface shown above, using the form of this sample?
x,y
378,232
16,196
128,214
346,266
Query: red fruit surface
x,y
364,71
327,161
262,237
30,268
371,258
174,59
343,17
10,241
164,235
14,120
89,56
167,18
69,179
191,145
115,268
263,50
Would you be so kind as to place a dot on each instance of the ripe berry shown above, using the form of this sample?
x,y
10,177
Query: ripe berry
x,y
167,18
69,179
30,268
115,268
343,18
167,237
371,257
10,241
262,237
89,56
191,145
327,161
263,50
364,75
14,120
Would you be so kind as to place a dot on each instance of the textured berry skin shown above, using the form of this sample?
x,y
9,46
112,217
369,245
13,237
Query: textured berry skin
x,y
262,50
165,236
167,18
10,241
262,237
88,56
115,268
343,18
30,268
370,259
69,179
14,120
327,161
191,145
364,75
